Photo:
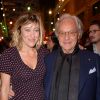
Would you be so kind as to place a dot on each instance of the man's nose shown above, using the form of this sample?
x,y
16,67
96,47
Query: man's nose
x,y
67,35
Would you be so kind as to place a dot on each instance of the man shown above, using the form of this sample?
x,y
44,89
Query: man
x,y
72,74
94,36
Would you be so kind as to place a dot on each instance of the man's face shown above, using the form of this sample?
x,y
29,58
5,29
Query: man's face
x,y
94,33
68,35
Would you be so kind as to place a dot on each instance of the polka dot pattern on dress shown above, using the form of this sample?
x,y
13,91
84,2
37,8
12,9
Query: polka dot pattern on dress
x,y
26,82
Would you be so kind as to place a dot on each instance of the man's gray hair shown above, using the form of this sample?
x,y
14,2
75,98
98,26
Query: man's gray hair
x,y
68,16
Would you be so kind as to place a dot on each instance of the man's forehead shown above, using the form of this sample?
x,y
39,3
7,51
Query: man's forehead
x,y
95,26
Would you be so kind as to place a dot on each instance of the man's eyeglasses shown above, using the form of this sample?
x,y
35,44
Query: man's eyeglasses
x,y
70,33
93,31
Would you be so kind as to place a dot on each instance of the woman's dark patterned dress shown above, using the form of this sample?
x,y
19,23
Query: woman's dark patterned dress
x,y
26,82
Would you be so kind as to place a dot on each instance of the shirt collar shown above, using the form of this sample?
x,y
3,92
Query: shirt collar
x,y
95,49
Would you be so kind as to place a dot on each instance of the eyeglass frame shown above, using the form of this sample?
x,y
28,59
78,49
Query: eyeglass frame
x,y
70,33
93,31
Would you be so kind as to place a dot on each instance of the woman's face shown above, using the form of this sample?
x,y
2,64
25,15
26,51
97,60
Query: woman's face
x,y
30,34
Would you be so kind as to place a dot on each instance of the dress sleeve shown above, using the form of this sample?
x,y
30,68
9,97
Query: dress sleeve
x,y
5,63
44,51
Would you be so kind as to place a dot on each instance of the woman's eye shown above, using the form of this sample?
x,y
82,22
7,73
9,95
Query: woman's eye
x,y
36,30
28,30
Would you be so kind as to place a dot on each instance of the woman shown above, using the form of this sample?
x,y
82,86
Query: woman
x,y
22,65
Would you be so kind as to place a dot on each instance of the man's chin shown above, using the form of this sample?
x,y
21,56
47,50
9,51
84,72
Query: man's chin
x,y
93,41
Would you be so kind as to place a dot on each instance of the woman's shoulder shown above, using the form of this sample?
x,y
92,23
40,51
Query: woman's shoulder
x,y
8,51
6,63
43,50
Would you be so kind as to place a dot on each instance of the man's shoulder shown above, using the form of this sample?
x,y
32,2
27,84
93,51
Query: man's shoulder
x,y
86,53
51,56
53,53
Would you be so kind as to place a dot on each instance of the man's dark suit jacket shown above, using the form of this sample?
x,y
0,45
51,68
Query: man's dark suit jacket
x,y
89,82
